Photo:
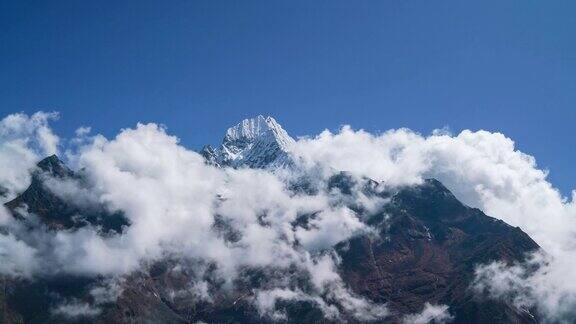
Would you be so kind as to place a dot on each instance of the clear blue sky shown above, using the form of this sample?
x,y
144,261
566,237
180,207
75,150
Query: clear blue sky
x,y
199,66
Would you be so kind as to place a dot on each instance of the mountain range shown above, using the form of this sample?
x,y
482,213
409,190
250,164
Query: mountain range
x,y
423,249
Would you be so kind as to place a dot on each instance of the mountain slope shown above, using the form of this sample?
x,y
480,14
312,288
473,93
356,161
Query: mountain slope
x,y
426,251
55,212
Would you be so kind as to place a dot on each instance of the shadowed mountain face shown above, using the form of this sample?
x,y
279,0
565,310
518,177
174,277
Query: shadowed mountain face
x,y
427,251
424,248
54,211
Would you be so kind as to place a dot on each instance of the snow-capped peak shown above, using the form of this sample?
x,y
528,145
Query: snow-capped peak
x,y
258,142
249,129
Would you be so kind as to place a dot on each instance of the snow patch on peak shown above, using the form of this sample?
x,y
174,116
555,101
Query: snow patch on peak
x,y
252,129
249,129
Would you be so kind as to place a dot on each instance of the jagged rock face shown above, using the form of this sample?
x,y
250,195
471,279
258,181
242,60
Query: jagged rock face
x,y
426,250
255,143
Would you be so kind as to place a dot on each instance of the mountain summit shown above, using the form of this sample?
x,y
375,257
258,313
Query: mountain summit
x,y
258,142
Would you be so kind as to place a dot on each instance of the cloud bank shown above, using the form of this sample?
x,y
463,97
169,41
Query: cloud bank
x,y
241,218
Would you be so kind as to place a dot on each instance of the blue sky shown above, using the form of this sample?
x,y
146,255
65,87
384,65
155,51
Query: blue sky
x,y
200,66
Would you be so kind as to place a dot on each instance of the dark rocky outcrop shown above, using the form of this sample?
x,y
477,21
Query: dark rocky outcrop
x,y
55,212
426,251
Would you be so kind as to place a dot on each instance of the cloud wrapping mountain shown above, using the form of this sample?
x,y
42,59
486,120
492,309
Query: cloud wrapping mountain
x,y
24,140
484,170
171,198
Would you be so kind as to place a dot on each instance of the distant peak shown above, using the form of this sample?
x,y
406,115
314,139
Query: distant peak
x,y
49,161
251,128
254,142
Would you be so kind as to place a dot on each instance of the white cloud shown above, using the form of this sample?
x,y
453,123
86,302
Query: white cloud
x,y
394,156
107,290
437,314
484,170
82,131
18,259
544,282
329,228
75,309
266,301
23,141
